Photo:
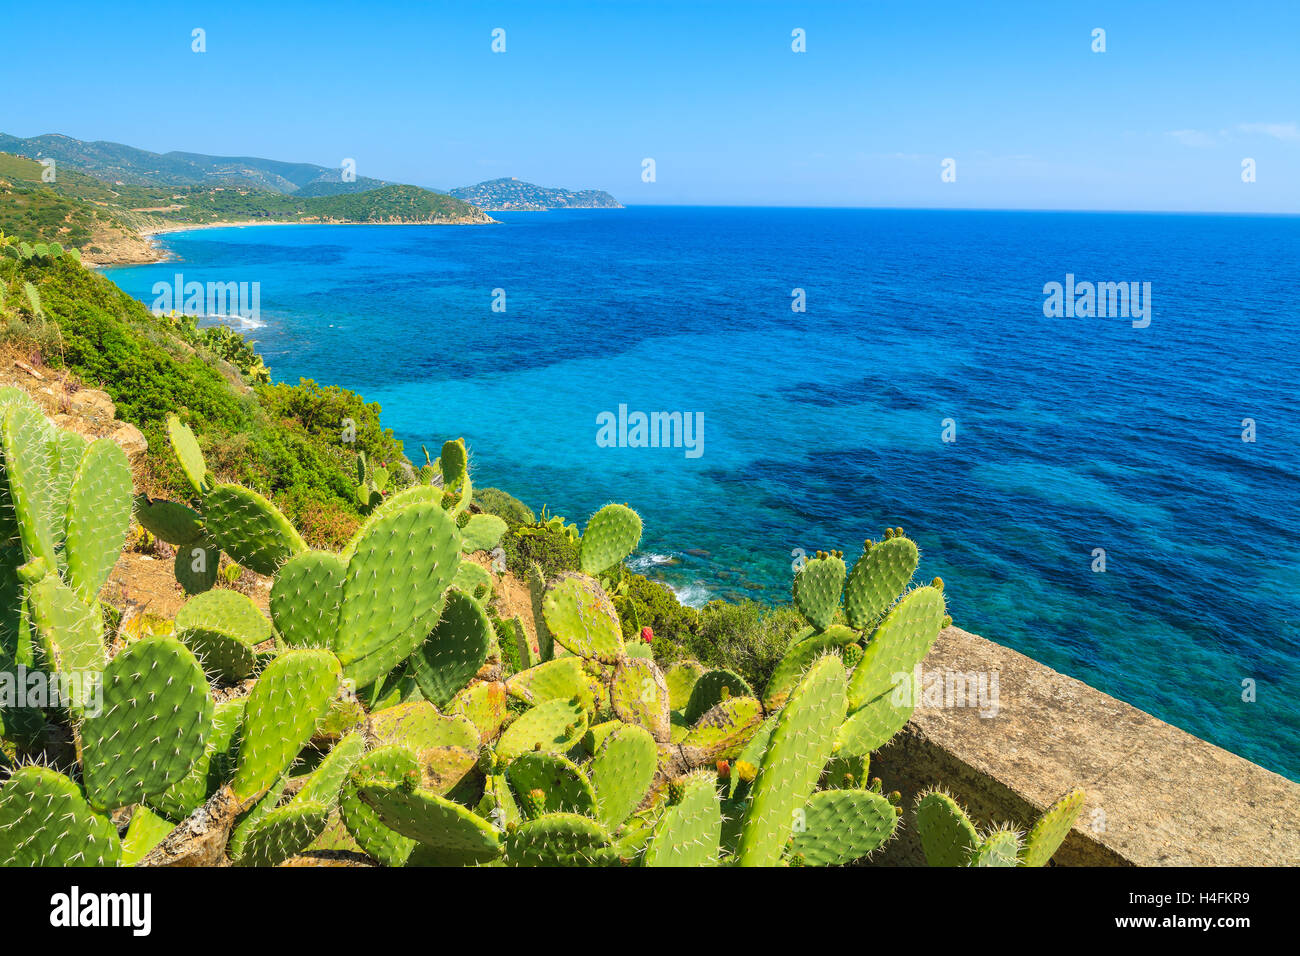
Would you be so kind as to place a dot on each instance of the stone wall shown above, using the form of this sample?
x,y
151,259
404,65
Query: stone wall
x,y
1156,796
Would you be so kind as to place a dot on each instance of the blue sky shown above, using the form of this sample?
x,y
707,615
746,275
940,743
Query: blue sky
x,y
711,91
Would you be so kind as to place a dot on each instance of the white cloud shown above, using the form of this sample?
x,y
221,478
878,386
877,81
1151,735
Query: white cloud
x,y
1286,132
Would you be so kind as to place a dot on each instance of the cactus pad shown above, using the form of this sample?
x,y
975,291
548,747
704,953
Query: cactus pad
x,y
70,634
28,470
690,832
394,589
223,628
145,831
817,589
898,645
290,696
196,565
45,821
840,826
558,839
681,677
564,788
948,838
211,769
873,725
250,529
378,841
172,522
562,677
454,651
877,578
725,728
611,535
639,695
1001,847
453,463
327,780
552,726
98,516
621,773
1052,828
712,687
798,658
458,836
482,704
283,832
186,447
481,533
581,618
305,599
472,579
153,727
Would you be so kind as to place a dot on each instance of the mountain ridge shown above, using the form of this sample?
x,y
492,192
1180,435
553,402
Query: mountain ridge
x,y
119,164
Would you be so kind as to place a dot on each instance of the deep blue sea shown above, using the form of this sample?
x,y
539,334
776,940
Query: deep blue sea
x,y
822,427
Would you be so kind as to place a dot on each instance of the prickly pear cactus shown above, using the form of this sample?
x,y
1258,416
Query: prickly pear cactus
x,y
800,746
454,650
393,592
877,578
378,711
186,448
223,628
97,516
690,833
305,599
839,826
622,770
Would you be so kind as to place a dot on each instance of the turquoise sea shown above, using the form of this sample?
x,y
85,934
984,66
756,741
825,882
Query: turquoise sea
x,y
822,427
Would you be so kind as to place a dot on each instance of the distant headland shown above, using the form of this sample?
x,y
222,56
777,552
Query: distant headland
x,y
510,194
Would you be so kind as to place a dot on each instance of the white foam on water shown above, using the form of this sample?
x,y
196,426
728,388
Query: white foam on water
x,y
691,595
234,321
644,562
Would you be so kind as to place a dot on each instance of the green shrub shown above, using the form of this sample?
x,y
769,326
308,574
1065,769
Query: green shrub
x,y
656,606
549,548
285,441
748,638
504,505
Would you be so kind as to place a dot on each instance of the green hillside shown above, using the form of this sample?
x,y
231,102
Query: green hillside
x,y
84,212
127,165
282,440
